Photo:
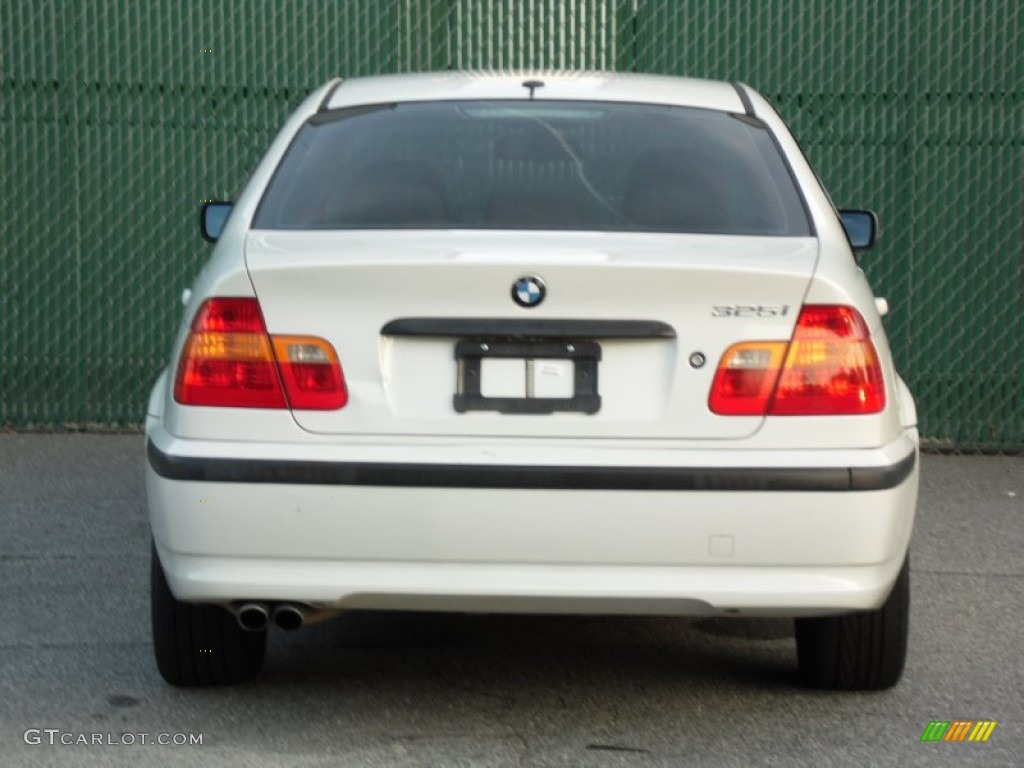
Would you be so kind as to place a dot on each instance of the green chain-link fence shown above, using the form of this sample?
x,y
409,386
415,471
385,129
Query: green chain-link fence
x,y
118,117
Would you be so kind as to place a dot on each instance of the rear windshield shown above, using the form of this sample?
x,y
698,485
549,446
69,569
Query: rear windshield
x,y
544,165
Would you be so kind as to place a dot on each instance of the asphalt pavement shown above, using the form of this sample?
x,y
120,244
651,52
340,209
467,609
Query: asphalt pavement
x,y
403,689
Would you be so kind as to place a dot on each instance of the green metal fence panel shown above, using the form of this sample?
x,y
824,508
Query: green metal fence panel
x,y
118,117
542,34
117,120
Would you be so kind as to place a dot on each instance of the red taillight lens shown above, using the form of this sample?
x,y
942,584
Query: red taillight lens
x,y
829,367
228,361
230,315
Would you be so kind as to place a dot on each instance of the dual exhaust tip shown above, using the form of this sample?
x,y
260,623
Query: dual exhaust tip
x,y
256,617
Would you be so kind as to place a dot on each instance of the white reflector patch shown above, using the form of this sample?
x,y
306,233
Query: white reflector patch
x,y
751,358
307,353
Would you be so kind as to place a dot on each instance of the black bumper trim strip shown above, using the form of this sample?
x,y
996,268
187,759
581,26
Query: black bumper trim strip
x,y
533,477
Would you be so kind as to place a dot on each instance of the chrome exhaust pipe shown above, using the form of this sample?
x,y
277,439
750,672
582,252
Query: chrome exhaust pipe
x,y
253,617
288,617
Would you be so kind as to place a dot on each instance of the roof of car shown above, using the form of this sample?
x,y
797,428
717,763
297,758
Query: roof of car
x,y
589,86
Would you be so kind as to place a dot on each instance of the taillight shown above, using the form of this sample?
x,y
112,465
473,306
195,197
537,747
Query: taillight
x,y
311,373
229,361
746,378
829,367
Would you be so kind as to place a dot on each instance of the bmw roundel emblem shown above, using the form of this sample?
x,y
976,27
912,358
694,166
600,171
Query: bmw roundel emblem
x,y
528,291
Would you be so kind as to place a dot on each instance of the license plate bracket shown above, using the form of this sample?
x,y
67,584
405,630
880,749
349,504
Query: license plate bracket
x,y
584,355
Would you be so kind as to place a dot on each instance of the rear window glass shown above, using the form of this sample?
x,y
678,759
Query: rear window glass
x,y
544,165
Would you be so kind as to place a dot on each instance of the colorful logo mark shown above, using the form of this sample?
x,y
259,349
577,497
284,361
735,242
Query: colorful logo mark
x,y
958,730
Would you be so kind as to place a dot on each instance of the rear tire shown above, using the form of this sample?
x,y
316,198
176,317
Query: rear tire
x,y
199,645
862,651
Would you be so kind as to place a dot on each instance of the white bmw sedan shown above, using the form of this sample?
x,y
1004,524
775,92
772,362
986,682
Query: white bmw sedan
x,y
573,343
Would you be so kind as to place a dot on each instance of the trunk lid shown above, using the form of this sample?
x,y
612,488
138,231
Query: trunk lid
x,y
395,305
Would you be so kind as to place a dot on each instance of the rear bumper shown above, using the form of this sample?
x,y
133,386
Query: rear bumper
x,y
665,534
540,588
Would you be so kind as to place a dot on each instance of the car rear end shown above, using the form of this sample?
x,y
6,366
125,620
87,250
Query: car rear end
x,y
599,347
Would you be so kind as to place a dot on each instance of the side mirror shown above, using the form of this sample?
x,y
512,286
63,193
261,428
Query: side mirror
x,y
861,228
212,219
